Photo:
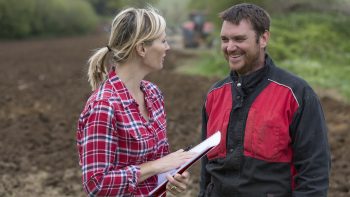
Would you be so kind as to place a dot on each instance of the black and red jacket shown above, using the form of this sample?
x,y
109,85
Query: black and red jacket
x,y
274,137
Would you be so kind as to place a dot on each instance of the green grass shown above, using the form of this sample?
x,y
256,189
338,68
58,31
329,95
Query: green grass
x,y
312,45
205,63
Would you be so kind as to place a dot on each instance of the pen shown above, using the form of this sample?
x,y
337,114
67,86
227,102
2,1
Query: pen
x,y
188,148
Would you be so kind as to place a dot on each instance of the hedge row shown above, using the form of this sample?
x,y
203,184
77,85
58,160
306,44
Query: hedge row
x,y
28,18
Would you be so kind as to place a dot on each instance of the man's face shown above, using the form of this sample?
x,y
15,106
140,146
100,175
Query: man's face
x,y
240,47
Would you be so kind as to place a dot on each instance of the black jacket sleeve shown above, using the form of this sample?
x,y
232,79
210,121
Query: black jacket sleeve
x,y
205,177
311,149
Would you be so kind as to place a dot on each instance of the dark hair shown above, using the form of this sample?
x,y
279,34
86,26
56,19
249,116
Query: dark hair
x,y
254,14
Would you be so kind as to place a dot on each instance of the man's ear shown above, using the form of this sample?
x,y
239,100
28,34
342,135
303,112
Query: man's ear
x,y
264,39
140,49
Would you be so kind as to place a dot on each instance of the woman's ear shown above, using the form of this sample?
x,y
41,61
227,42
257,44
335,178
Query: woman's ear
x,y
140,49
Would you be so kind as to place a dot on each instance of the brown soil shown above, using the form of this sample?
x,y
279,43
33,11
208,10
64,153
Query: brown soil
x,y
43,89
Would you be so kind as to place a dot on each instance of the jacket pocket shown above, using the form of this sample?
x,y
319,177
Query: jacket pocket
x,y
268,141
266,137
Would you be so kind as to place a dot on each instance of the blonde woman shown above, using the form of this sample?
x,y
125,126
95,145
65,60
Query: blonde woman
x,y
121,135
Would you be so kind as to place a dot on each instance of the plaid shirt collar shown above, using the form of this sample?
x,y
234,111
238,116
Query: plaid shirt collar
x,y
124,94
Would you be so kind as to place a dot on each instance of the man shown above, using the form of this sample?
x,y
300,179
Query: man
x,y
274,136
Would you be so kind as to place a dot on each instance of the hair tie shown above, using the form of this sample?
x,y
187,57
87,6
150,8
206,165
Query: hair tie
x,y
109,48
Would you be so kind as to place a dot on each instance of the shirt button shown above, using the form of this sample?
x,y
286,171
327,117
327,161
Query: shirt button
x,y
231,150
238,97
239,84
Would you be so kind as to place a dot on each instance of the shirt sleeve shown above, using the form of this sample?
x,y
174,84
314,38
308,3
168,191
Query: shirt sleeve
x,y
311,149
97,148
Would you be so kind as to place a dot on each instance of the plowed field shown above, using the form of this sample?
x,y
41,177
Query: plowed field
x,y
43,89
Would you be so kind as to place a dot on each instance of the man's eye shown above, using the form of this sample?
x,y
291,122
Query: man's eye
x,y
224,39
240,39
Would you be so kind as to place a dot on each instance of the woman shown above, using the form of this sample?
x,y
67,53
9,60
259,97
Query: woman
x,y
121,134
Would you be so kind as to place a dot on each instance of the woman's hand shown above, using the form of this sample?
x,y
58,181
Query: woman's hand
x,y
178,183
164,164
174,160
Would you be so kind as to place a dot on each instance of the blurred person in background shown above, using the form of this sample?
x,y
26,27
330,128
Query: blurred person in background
x,y
272,123
121,134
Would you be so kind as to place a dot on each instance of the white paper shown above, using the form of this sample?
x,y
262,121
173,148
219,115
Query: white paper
x,y
162,176
210,142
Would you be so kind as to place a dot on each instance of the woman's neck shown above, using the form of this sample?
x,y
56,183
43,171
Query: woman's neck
x,y
131,74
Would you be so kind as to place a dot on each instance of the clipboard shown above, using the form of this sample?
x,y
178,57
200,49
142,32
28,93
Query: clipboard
x,y
202,149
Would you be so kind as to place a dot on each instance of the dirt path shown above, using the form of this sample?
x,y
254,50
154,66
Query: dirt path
x,y
43,88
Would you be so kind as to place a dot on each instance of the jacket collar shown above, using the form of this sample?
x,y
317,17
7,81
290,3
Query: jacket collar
x,y
247,83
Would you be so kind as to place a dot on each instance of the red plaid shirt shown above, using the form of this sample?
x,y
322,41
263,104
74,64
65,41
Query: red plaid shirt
x,y
113,139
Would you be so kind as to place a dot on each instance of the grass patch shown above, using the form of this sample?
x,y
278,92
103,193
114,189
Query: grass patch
x,y
206,63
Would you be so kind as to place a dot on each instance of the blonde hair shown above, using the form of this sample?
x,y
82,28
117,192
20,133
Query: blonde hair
x,y
129,28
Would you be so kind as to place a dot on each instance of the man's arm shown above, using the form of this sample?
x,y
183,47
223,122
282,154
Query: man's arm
x,y
311,150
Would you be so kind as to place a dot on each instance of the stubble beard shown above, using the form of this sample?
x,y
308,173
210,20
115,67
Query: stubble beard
x,y
250,63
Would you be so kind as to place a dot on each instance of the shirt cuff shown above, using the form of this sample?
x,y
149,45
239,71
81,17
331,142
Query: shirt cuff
x,y
134,173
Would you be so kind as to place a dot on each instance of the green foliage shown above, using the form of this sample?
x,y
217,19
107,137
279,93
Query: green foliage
x,y
311,45
45,17
314,46
170,10
138,3
14,18
111,7
213,8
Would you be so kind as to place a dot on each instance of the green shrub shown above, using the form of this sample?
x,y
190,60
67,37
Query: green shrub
x,y
45,17
314,46
14,18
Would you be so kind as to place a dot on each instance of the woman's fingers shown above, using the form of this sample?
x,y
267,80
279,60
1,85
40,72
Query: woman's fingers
x,y
178,158
173,189
178,183
184,177
174,160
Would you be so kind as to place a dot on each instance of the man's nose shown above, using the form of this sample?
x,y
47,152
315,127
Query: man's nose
x,y
231,46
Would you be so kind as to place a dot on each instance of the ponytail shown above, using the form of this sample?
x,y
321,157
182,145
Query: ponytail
x,y
129,28
98,71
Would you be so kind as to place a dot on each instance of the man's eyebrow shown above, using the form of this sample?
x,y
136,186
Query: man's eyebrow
x,y
235,37
240,37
